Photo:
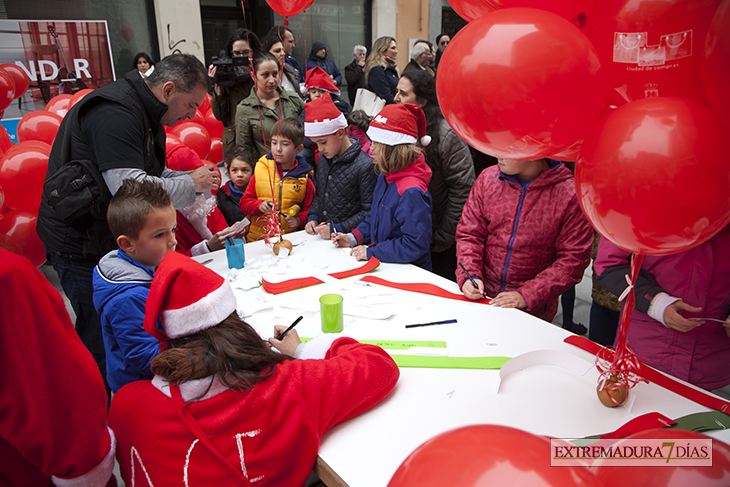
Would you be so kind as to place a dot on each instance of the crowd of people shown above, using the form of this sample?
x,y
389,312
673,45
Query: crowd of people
x,y
161,331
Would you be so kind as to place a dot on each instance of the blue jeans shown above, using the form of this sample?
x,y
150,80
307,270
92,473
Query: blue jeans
x,y
76,280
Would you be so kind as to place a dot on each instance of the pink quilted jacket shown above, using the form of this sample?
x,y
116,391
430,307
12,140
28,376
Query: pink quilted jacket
x,y
534,240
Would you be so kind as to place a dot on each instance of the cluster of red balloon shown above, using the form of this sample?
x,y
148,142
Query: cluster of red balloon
x,y
486,455
13,84
202,134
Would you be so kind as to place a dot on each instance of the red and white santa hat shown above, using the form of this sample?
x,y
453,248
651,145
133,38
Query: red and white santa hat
x,y
322,117
318,78
399,124
186,297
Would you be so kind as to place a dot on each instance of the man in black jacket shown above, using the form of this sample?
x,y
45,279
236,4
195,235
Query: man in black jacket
x,y
355,72
118,130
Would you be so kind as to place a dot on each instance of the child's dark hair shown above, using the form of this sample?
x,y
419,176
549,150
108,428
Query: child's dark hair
x,y
359,119
133,201
244,156
231,350
289,128
394,158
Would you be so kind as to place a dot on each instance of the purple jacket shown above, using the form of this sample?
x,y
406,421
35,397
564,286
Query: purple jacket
x,y
699,276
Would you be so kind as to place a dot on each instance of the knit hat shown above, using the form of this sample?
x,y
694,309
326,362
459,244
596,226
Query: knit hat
x,y
318,78
182,158
322,117
186,297
399,124
317,45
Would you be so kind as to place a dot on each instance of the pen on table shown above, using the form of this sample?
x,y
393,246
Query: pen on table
x,y
206,262
473,282
283,334
444,322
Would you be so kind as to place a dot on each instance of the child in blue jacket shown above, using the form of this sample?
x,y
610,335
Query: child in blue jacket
x,y
398,227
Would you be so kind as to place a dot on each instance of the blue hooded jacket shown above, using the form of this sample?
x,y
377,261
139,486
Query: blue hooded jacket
x,y
398,227
121,285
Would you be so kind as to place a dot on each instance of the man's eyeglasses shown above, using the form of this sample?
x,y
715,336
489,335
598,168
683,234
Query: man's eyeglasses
x,y
444,43
241,53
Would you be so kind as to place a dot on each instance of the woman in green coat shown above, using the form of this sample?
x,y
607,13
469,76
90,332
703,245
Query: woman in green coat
x,y
266,105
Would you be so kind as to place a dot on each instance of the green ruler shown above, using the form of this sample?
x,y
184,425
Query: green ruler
x,y
449,362
399,345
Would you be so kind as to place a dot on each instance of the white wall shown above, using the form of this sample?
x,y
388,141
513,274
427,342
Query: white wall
x,y
385,14
182,18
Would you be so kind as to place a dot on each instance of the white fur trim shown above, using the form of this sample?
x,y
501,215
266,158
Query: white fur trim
x,y
325,127
199,248
425,140
388,137
98,475
660,303
197,214
193,388
204,313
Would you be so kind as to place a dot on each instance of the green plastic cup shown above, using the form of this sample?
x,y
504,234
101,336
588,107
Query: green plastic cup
x,y
330,307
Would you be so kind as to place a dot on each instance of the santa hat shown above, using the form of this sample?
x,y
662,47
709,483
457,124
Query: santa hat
x,y
186,297
399,124
322,117
317,78
182,158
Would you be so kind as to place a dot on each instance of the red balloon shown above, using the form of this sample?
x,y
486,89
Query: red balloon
x,y
653,176
216,150
19,77
650,48
213,125
2,202
205,106
486,455
7,89
78,96
5,142
289,8
171,139
473,9
529,84
28,144
194,136
17,234
716,62
59,104
22,173
39,125
717,475
199,118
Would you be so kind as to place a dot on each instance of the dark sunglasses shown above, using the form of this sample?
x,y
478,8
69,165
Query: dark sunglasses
x,y
241,53
444,43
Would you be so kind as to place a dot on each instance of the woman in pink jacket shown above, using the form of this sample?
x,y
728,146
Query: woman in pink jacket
x,y
522,236
672,293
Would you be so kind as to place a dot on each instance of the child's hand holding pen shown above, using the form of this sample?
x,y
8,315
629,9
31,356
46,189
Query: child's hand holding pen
x,y
266,206
287,345
473,288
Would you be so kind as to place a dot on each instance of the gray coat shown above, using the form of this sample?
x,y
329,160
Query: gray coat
x,y
344,189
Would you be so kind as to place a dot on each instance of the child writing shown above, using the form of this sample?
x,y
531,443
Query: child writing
x,y
240,169
398,227
262,412
345,175
281,182
201,227
143,221
522,236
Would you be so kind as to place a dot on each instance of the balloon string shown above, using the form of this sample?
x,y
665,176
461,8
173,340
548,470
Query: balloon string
x,y
624,366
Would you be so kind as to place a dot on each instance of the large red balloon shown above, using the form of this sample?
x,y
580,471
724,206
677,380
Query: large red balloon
x,y
7,89
653,176
520,84
27,144
289,8
716,62
205,106
22,173
199,118
650,47
39,125
213,125
2,201
17,234
473,9
717,475
19,77
216,151
171,139
5,142
59,104
194,136
486,455
78,96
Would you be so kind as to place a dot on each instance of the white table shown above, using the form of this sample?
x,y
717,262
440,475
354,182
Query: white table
x,y
544,399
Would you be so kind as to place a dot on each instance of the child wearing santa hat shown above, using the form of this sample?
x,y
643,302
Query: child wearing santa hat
x,y
201,228
223,405
398,227
345,176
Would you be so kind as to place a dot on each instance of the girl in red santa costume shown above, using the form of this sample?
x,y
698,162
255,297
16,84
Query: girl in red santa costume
x,y
223,405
